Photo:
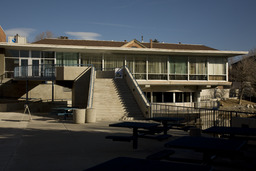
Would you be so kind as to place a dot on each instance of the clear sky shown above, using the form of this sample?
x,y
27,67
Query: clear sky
x,y
221,24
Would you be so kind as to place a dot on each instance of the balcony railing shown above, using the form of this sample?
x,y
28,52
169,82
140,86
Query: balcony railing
x,y
37,72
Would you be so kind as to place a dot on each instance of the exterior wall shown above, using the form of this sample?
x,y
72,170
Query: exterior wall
x,y
80,90
37,90
2,62
69,73
44,92
2,35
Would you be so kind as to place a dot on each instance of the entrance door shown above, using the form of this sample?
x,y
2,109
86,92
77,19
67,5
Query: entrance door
x,y
24,67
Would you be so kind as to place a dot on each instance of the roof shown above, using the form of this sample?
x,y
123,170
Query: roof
x,y
100,43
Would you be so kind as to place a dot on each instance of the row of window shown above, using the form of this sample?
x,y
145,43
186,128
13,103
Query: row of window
x,y
152,67
170,97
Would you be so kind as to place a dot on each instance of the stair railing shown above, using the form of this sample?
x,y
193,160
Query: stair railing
x,y
138,93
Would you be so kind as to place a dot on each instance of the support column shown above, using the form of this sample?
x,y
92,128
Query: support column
x,y
52,90
174,97
26,91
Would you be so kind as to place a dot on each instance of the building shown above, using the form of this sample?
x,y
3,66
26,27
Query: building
x,y
166,73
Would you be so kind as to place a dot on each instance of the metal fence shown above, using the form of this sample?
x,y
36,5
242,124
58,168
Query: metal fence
x,y
199,117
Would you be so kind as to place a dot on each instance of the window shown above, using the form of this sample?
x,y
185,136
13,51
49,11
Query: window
x,y
178,68
35,54
92,58
157,97
168,97
24,53
11,53
140,66
113,61
217,68
178,96
47,54
198,68
66,59
157,67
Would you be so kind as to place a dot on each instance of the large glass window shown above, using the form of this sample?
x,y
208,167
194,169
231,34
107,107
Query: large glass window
x,y
11,53
10,64
217,68
140,66
168,97
112,61
157,67
35,54
178,68
47,54
24,53
157,97
198,68
92,58
67,59
130,62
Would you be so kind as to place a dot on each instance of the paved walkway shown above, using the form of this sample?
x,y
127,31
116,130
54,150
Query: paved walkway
x,y
46,143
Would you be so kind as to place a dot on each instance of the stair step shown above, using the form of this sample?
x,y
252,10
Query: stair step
x,y
113,100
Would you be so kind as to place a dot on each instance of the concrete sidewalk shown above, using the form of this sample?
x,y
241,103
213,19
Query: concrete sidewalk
x,y
46,143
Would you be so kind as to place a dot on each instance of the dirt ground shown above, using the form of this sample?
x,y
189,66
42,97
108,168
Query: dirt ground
x,y
233,104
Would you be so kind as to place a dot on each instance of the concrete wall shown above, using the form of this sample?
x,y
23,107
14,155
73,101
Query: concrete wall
x,y
17,89
105,74
144,109
68,73
2,61
80,90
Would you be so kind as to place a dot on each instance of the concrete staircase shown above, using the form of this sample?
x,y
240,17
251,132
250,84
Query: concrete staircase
x,y
113,101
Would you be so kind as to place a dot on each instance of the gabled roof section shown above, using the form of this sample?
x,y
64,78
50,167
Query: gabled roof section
x,y
134,44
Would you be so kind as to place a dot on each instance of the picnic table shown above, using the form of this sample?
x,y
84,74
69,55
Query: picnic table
x,y
135,126
166,122
231,131
209,146
135,164
63,111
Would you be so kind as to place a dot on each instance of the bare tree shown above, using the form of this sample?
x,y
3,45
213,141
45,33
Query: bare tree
x,y
44,35
244,73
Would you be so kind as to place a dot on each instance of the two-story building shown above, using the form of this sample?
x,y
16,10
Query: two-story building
x,y
165,72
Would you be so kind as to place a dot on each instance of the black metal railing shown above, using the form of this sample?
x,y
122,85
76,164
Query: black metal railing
x,y
202,117
46,71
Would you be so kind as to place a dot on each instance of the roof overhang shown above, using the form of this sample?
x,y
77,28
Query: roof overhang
x,y
91,49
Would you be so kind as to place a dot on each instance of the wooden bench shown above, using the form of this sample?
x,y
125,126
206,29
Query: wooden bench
x,y
120,138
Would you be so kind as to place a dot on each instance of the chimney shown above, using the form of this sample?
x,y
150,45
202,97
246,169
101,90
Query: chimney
x,y
151,43
2,35
63,37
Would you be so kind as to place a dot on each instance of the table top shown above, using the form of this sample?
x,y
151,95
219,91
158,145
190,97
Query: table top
x,y
134,164
64,108
231,130
204,144
171,119
144,125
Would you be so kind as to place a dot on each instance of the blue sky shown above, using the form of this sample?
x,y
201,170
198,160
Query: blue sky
x,y
221,24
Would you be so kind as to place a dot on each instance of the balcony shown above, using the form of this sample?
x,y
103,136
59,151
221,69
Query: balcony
x,y
40,72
